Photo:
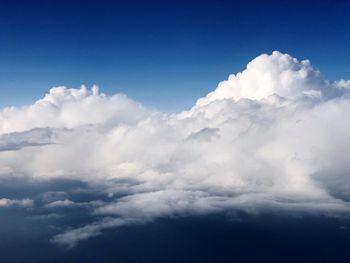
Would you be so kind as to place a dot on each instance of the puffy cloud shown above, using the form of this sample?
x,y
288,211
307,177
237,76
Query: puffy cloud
x,y
70,108
274,137
278,74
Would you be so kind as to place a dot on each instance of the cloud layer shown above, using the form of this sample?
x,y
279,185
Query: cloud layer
x,y
5,202
275,137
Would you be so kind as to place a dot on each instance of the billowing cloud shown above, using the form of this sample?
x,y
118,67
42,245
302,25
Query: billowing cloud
x,y
275,137
71,108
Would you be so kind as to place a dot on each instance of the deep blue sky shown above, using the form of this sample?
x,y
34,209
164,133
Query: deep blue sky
x,y
162,53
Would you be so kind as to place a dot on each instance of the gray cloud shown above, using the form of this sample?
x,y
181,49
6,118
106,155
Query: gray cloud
x,y
26,203
18,140
69,203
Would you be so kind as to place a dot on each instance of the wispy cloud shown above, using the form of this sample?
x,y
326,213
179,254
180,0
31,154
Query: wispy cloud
x,y
26,203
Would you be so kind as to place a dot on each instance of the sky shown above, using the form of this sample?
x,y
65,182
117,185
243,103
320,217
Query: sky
x,y
164,54
205,132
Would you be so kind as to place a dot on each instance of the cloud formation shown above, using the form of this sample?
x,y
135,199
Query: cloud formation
x,y
26,203
274,137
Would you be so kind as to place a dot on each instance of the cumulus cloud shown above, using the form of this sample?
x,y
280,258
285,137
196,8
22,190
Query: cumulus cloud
x,y
274,137
70,108
278,74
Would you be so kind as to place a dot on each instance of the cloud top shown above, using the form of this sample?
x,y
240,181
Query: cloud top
x,y
70,108
275,74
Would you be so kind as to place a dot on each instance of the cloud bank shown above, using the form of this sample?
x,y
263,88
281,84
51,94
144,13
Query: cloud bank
x,y
275,137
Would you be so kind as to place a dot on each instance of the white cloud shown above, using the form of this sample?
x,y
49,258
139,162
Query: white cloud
x,y
272,138
70,108
266,75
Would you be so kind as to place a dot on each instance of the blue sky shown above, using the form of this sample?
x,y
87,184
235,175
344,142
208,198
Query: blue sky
x,y
164,54
252,173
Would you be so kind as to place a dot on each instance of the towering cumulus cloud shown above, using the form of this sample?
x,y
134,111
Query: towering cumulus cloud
x,y
275,137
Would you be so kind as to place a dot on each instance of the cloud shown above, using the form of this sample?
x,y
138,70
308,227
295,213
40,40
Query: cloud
x,y
72,237
17,140
278,74
60,203
53,196
26,203
69,203
273,138
70,108
44,216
